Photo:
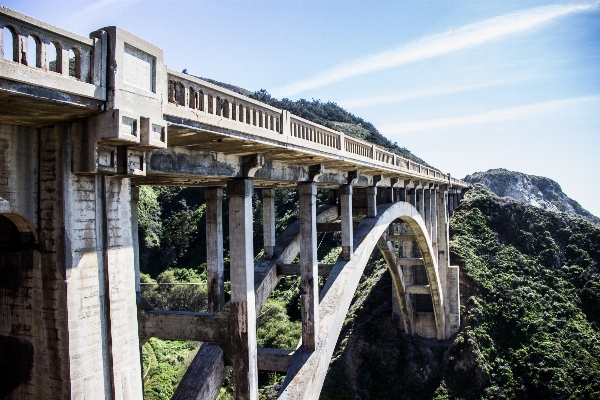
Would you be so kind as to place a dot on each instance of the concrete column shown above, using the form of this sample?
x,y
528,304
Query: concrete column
x,y
427,210
309,288
411,197
434,221
118,275
243,311
389,194
420,194
442,236
268,222
347,226
214,248
371,201
135,196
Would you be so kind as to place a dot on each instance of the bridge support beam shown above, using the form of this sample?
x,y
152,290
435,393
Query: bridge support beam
x,y
268,196
242,312
309,283
347,223
214,248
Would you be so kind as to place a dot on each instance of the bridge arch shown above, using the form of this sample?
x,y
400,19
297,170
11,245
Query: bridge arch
x,y
306,375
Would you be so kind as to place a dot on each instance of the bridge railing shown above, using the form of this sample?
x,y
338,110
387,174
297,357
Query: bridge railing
x,y
44,55
193,98
317,134
201,101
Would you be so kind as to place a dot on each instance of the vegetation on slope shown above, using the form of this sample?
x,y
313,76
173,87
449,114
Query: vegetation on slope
x,y
172,223
530,286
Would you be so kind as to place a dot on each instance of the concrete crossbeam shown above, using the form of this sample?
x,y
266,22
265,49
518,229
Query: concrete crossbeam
x,y
418,289
295,269
410,261
274,359
182,325
400,238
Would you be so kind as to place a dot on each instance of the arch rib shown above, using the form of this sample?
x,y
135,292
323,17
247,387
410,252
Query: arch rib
x,y
306,375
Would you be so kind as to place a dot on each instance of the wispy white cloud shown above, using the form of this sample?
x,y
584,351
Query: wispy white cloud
x,y
84,19
421,93
436,45
504,114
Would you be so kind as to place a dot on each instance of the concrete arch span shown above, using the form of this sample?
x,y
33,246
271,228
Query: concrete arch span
x,y
306,375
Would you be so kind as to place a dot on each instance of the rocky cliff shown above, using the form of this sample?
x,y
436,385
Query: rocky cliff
x,y
534,190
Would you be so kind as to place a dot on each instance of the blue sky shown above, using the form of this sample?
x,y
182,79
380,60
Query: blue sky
x,y
465,85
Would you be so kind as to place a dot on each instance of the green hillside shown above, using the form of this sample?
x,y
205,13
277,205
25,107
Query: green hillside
x,y
530,287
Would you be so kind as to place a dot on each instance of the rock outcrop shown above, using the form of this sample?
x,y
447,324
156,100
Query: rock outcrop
x,y
534,190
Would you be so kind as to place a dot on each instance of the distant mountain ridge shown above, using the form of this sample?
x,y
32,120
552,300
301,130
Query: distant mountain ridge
x,y
534,190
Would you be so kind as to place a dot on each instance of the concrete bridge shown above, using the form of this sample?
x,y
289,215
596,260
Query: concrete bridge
x,y
85,121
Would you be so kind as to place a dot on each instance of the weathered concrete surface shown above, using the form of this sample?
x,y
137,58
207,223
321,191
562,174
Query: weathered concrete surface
x,y
214,248
268,196
347,225
82,285
295,269
309,282
183,325
274,359
242,311
33,312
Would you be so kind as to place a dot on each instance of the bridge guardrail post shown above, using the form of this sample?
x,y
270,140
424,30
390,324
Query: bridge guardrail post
x,y
285,123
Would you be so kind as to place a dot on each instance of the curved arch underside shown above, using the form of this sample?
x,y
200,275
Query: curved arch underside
x,y
306,375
